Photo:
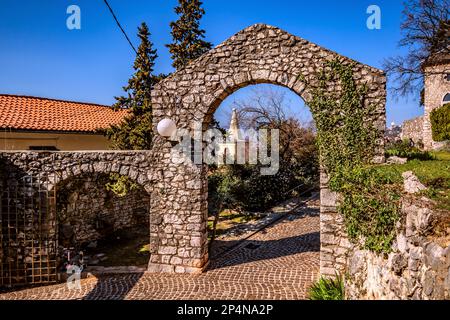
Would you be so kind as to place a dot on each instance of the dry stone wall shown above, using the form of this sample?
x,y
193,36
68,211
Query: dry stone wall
x,y
417,268
413,130
51,171
177,236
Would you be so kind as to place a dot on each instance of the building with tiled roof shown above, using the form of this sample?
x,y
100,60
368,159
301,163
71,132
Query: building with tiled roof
x,y
33,123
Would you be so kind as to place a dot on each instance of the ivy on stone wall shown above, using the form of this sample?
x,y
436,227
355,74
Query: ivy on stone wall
x,y
367,200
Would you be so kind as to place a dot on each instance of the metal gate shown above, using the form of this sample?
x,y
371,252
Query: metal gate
x,y
28,238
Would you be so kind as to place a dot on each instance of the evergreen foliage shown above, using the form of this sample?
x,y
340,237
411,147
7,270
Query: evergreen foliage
x,y
188,43
328,289
135,132
440,123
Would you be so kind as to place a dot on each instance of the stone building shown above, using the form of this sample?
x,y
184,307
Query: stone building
x,y
437,92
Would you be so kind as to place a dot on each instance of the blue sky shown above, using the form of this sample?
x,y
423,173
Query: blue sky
x,y
39,56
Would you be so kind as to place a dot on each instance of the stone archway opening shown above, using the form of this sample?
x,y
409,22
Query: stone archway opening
x,y
105,220
241,201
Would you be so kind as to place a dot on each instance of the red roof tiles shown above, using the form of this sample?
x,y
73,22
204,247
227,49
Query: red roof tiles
x,y
42,114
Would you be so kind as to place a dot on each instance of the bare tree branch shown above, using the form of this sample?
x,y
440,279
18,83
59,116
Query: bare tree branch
x,y
267,109
425,31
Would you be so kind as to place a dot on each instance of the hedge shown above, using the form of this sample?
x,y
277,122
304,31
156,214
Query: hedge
x,y
440,123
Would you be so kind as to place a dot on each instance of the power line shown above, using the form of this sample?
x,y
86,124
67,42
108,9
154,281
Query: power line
x,y
120,27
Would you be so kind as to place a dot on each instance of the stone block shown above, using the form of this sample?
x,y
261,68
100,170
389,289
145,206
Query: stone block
x,y
167,250
328,198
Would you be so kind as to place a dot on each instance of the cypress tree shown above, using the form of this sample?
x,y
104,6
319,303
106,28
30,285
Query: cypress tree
x,y
188,43
135,132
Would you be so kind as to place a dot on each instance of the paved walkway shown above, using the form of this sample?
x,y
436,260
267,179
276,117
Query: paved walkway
x,y
279,262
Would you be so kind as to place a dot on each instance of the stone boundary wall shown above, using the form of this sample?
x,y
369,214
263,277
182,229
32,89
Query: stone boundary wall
x,y
413,129
417,268
177,234
51,170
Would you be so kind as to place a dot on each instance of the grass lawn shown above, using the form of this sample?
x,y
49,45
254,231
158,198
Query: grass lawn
x,y
434,174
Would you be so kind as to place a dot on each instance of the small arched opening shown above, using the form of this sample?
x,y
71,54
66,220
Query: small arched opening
x,y
103,220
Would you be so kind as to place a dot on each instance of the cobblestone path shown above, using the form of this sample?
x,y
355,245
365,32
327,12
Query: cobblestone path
x,y
279,262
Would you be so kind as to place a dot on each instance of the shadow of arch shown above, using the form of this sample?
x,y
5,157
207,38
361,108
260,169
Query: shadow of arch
x,y
246,251
255,250
114,287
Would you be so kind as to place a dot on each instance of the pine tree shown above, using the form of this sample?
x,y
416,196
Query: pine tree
x,y
135,132
188,43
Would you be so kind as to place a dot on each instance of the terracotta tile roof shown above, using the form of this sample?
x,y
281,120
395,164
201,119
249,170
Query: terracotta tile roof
x,y
33,113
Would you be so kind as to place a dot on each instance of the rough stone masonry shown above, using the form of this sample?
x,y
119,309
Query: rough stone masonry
x,y
257,54
418,267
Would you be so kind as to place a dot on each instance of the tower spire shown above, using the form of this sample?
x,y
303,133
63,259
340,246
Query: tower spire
x,y
233,131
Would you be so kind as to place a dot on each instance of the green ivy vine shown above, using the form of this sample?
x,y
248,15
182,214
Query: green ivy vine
x,y
369,201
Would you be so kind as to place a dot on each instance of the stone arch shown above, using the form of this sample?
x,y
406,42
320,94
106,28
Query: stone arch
x,y
132,172
134,165
49,169
257,54
137,165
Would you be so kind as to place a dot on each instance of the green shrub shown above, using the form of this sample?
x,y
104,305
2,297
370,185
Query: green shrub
x,y
440,123
370,205
243,187
403,149
328,289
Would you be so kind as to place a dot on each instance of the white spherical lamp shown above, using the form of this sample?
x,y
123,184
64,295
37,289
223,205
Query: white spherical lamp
x,y
166,127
